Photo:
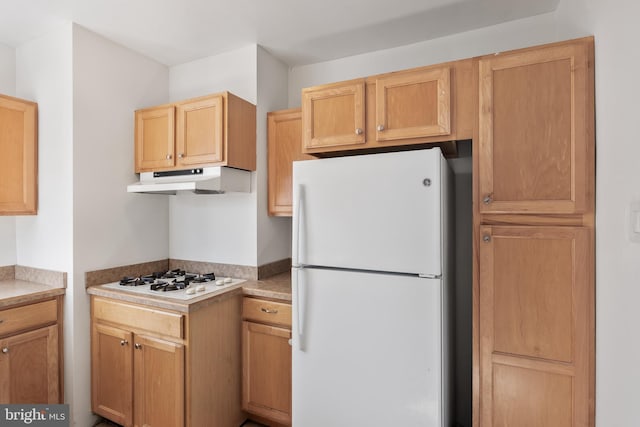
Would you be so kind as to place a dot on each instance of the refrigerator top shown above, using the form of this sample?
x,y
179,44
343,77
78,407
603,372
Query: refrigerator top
x,y
377,212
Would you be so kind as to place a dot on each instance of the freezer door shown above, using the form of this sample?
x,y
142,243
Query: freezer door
x,y
366,350
378,212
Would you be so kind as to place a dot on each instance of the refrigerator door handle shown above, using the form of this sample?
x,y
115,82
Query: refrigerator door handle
x,y
295,250
299,305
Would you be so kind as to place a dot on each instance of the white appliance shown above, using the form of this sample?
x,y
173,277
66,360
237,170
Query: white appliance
x,y
371,285
208,180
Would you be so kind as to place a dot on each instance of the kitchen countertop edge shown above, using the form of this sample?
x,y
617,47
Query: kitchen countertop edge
x,y
16,292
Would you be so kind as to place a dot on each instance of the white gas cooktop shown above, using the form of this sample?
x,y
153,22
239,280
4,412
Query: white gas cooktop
x,y
194,290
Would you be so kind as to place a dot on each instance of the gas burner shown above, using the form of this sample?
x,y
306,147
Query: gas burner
x,y
164,286
135,281
203,278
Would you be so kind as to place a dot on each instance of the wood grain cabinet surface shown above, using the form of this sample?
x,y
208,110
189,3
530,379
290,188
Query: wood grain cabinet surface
x,y
166,369
18,156
534,262
423,106
266,360
284,146
213,130
31,353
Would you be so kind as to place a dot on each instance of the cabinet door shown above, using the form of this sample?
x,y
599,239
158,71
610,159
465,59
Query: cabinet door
x,y
29,367
266,376
284,147
112,374
159,383
155,138
413,105
199,131
333,115
536,327
18,157
536,145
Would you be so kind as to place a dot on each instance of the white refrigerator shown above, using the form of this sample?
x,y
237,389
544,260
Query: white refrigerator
x,y
371,283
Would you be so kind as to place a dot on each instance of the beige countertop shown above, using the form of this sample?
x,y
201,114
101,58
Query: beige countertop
x,y
275,287
13,292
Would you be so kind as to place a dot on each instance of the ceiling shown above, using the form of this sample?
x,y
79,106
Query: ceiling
x,y
296,31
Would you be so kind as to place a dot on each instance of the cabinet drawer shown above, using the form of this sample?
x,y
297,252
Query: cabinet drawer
x,y
265,311
137,317
28,316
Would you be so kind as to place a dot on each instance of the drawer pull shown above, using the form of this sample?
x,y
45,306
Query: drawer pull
x,y
124,342
269,310
5,350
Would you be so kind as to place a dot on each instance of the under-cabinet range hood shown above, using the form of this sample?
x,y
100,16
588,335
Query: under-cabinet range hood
x,y
208,180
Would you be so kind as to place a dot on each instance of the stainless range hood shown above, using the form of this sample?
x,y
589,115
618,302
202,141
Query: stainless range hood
x,y
209,180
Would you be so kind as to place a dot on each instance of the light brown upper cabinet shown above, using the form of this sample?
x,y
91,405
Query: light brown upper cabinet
x,y
333,115
213,130
284,147
413,105
423,105
536,130
18,156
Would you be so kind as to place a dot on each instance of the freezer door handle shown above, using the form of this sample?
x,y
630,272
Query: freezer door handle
x,y
295,250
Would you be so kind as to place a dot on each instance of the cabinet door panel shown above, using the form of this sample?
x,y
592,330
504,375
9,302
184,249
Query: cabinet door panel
x,y
536,314
333,115
535,131
159,383
199,131
29,367
413,105
112,373
18,156
155,138
267,371
284,147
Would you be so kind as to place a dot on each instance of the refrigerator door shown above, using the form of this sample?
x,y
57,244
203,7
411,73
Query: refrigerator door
x,y
379,212
367,349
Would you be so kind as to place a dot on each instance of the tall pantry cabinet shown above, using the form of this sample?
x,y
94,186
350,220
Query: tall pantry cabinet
x,y
534,153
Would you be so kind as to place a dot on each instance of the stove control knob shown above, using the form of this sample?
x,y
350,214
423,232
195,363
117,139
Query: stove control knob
x,y
200,288
219,282
228,280
191,291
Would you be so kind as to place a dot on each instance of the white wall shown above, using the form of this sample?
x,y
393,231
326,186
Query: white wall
x,y
44,75
215,228
274,233
7,87
111,227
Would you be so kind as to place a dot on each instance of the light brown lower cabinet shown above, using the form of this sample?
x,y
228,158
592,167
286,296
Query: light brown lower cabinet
x,y
161,368
536,326
30,368
266,357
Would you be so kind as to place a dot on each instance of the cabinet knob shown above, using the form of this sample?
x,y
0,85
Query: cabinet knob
x,y
181,155
358,131
5,350
380,128
168,156
290,341
137,346
486,238
487,199
124,342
